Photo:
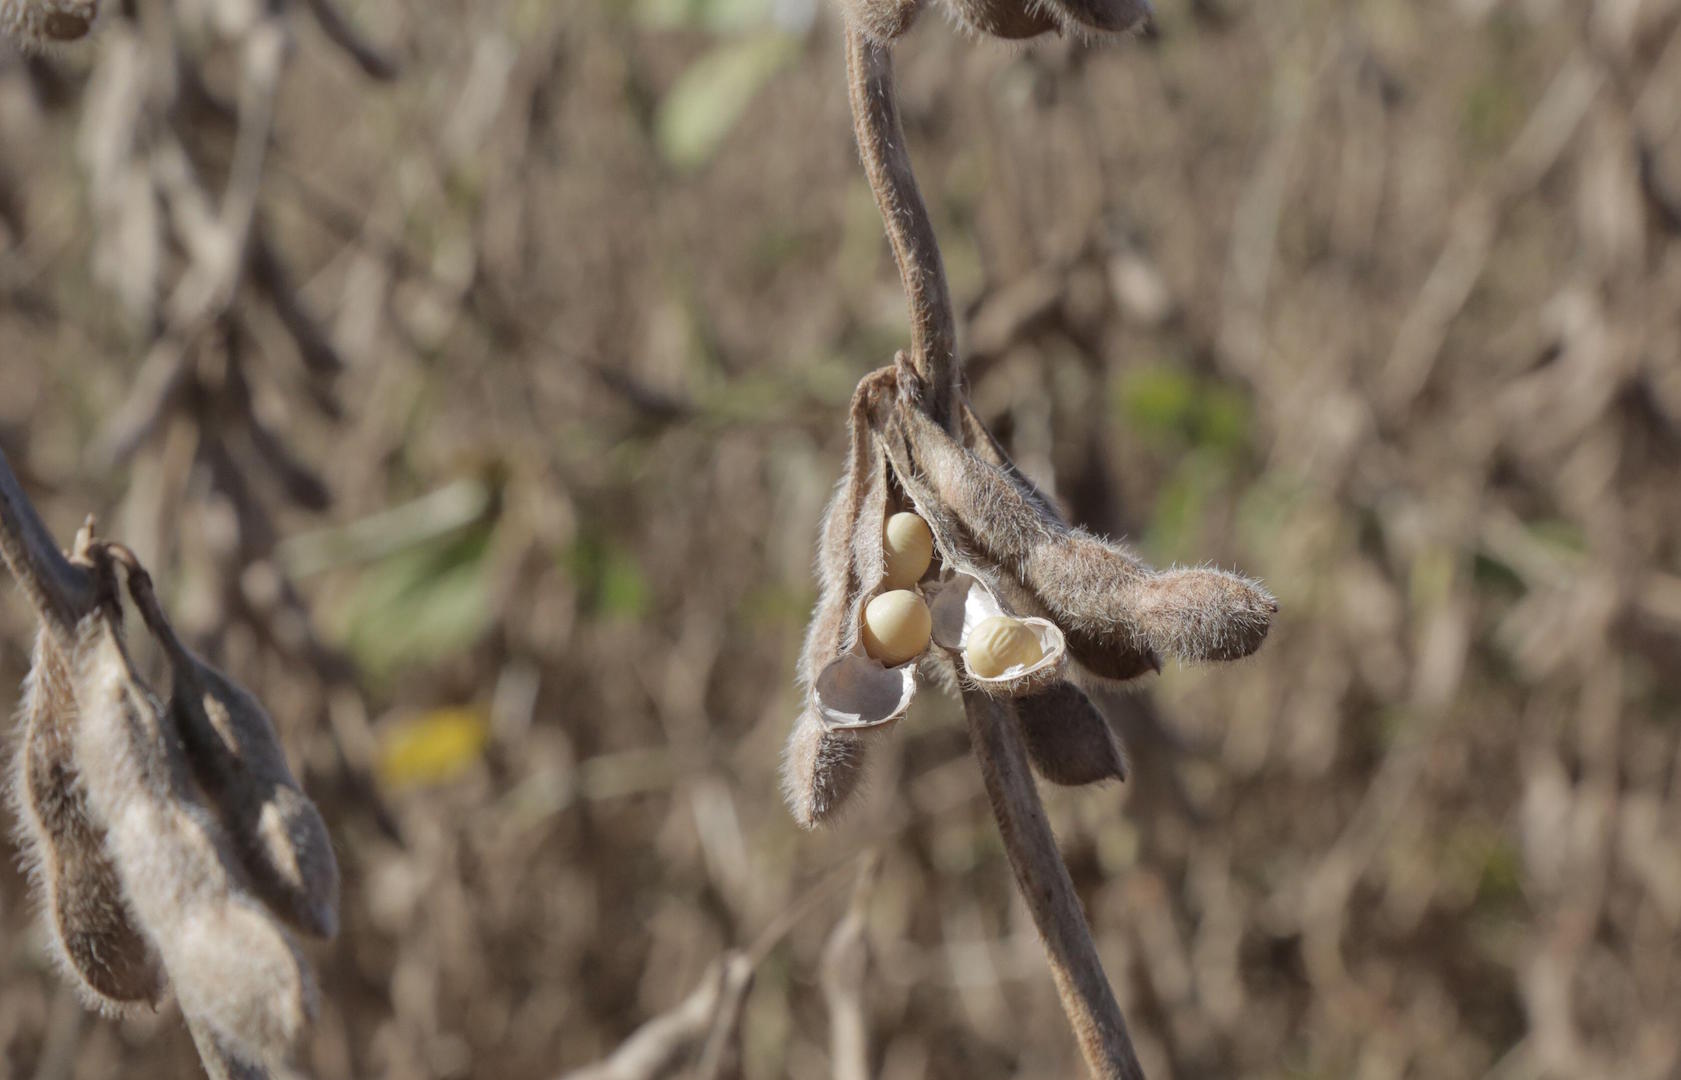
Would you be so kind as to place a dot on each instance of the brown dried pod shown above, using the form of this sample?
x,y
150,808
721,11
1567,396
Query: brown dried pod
x,y
1068,740
1116,611
236,973
238,761
847,692
221,1063
822,769
1088,17
979,439
1012,20
95,939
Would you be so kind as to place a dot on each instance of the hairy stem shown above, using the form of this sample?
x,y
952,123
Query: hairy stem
x,y
60,592
881,143
1049,892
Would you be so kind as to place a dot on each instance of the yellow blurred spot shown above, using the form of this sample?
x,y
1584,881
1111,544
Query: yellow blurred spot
x,y
433,748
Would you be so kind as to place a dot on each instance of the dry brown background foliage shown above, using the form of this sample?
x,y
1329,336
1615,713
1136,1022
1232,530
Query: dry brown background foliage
x,y
1379,301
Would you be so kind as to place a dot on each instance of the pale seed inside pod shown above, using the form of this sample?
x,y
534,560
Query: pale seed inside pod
x,y
896,627
908,548
1000,643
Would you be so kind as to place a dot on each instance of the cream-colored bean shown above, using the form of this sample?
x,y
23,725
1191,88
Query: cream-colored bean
x,y
897,627
1000,643
908,548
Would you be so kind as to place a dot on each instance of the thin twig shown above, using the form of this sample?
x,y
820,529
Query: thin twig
x,y
881,143
657,1046
722,1044
1049,892
339,30
845,965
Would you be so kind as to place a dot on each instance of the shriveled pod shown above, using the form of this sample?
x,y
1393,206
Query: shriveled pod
x,y
1068,740
1086,17
849,696
94,936
236,973
1000,654
1012,20
237,759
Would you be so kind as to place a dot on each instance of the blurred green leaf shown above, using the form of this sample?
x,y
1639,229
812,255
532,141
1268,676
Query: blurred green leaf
x,y
420,605
610,582
710,97
1223,420
1176,525
1157,400
1171,407
778,605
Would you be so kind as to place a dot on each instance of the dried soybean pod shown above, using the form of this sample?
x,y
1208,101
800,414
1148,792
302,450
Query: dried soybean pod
x,y
94,935
822,767
219,1062
1100,16
95,940
1013,20
236,973
237,759
1114,608
1068,740
981,442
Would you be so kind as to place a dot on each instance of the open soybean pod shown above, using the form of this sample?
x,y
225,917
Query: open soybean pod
x,y
94,936
238,761
236,973
1000,654
849,696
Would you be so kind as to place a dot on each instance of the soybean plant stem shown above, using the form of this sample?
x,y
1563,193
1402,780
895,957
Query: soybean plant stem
x,y
881,143
1044,882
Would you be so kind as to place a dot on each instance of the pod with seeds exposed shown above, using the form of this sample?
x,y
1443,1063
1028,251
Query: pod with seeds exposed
x,y
1002,655
237,759
849,696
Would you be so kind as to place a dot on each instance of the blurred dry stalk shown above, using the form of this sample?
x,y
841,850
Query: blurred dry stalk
x,y
224,321
1481,594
